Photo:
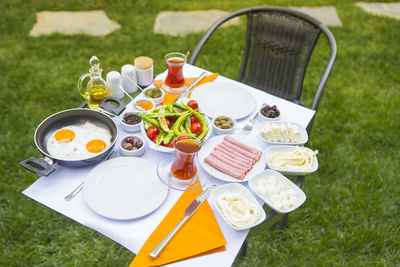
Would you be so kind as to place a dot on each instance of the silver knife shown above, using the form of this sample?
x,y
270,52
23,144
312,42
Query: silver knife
x,y
189,211
190,88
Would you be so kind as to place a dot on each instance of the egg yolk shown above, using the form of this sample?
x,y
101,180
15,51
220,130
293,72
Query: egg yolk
x,y
95,146
65,135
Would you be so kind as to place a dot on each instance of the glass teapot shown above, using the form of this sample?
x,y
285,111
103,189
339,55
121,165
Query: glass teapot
x,y
96,89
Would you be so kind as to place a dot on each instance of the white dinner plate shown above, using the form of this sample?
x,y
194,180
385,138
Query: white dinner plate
x,y
213,142
165,149
124,188
223,98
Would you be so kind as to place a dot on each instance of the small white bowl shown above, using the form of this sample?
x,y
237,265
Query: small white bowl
x,y
284,148
279,178
131,153
142,100
267,118
218,130
130,127
158,100
236,188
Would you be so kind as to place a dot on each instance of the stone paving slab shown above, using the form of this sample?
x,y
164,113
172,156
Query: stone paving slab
x,y
391,10
94,23
178,23
326,14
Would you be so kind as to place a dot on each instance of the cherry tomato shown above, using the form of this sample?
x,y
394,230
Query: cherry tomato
x,y
193,119
196,128
168,123
173,119
182,137
152,131
155,138
193,104
170,144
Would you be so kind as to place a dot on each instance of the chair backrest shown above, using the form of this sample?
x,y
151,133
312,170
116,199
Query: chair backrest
x,y
279,44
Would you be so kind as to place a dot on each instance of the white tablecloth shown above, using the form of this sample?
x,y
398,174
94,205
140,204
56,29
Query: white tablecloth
x,y
132,234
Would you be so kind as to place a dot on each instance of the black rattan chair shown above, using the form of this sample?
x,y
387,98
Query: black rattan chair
x,y
279,44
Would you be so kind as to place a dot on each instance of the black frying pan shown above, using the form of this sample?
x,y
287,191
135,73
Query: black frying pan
x,y
44,166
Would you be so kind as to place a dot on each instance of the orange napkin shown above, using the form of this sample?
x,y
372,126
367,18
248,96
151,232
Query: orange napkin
x,y
188,81
200,235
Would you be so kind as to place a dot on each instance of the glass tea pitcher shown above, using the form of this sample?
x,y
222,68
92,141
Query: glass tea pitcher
x,y
96,89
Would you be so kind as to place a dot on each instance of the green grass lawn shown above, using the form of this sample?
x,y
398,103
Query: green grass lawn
x,y
351,214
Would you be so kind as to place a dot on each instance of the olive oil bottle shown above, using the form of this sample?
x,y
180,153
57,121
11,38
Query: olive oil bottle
x,y
96,89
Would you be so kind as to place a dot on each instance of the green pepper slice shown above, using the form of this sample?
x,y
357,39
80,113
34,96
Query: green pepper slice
x,y
202,121
160,138
150,120
163,121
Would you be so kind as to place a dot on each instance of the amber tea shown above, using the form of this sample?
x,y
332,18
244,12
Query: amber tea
x,y
184,167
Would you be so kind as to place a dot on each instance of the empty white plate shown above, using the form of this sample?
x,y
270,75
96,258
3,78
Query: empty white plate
x,y
224,98
124,188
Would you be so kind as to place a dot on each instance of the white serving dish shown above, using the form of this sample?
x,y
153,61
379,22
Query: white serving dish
x,y
218,130
129,127
284,148
303,133
131,153
153,145
236,188
213,142
230,98
158,100
253,182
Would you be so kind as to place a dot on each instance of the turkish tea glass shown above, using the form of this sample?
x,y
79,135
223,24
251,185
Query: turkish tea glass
x,y
184,169
175,82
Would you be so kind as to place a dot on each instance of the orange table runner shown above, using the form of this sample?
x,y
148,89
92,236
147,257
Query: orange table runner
x,y
200,235
188,81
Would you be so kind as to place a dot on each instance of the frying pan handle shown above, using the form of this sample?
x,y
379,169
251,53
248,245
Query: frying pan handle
x,y
39,166
113,105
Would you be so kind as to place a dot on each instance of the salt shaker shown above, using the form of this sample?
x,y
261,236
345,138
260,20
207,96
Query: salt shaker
x,y
129,80
114,83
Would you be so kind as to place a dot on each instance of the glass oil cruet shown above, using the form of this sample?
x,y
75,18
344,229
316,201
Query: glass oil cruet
x,y
96,89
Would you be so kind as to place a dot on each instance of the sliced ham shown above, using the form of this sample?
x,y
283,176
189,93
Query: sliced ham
x,y
235,142
233,157
234,154
234,163
223,167
243,152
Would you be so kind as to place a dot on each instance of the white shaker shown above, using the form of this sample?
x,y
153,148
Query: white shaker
x,y
129,80
144,70
114,84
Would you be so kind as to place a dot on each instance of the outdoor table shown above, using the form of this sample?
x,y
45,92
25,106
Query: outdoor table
x,y
132,234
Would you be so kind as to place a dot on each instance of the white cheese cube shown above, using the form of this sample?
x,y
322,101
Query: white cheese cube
x,y
293,200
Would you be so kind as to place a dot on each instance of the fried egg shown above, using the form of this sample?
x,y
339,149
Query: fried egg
x,y
76,142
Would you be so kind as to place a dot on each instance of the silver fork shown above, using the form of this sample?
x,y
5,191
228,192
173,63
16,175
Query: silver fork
x,y
249,126
80,186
